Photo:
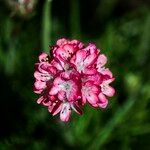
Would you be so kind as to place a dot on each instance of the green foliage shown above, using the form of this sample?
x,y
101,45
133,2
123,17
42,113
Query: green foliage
x,y
122,32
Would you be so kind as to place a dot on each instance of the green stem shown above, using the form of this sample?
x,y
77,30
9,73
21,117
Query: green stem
x,y
46,26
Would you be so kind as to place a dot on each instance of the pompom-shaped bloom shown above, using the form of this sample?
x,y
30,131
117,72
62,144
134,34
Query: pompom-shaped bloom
x,y
73,76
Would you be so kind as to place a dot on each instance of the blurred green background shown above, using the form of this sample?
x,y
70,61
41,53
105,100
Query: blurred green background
x,y
120,28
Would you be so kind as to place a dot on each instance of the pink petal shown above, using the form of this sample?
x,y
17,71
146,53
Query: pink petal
x,y
72,94
103,102
77,44
108,90
40,85
61,42
92,48
54,90
95,89
37,75
38,91
80,56
58,81
65,74
89,71
40,100
104,71
96,78
61,54
42,76
92,98
65,112
51,70
44,67
43,57
69,49
90,59
101,61
56,64
109,81
61,95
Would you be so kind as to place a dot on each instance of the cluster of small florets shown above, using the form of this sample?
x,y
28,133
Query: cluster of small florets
x,y
71,77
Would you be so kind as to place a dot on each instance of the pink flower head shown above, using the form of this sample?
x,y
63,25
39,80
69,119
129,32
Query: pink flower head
x,y
75,75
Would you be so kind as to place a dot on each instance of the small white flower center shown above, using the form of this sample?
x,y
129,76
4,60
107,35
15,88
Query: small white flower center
x,y
66,86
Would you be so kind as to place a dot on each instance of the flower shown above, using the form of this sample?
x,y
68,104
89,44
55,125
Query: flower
x,y
73,76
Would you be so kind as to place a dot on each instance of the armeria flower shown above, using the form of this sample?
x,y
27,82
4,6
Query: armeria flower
x,y
73,76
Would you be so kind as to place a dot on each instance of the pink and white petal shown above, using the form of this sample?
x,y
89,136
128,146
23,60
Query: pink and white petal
x,y
91,48
80,56
62,41
52,98
39,85
65,112
109,81
89,71
103,102
58,81
101,61
43,67
88,83
43,57
65,74
90,59
42,76
104,71
68,48
72,60
92,98
108,90
60,54
95,105
62,95
77,43
80,45
39,100
96,78
74,42
95,89
51,70
37,75
72,94
38,91
56,64
54,90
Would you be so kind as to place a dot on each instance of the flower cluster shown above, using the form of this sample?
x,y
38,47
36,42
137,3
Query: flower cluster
x,y
71,77
22,7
